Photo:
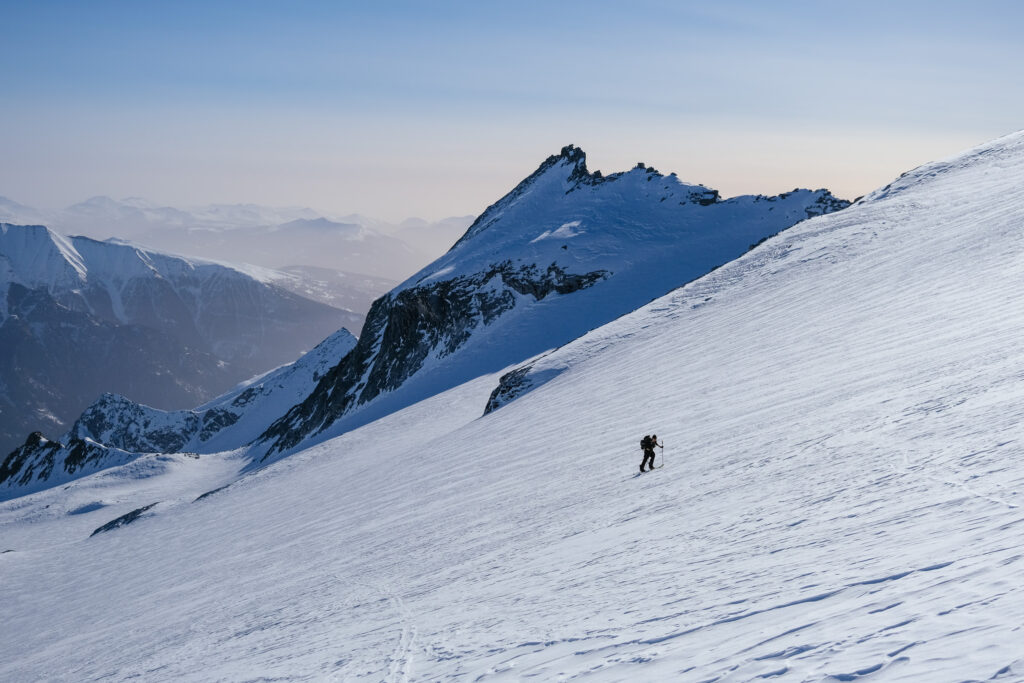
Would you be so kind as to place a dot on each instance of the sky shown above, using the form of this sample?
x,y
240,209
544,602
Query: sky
x,y
433,109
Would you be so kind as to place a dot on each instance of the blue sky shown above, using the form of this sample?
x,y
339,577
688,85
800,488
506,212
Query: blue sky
x,y
436,108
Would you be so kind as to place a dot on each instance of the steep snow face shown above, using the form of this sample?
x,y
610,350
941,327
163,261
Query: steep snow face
x,y
564,252
115,430
34,256
840,497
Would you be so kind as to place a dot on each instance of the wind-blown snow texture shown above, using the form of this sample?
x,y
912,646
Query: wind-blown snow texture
x,y
562,253
841,409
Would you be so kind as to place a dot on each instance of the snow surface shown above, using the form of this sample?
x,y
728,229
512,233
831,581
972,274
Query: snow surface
x,y
841,410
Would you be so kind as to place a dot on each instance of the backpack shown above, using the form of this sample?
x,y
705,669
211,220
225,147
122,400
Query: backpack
x,y
645,442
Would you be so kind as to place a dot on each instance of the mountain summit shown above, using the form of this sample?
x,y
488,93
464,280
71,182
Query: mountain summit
x,y
565,251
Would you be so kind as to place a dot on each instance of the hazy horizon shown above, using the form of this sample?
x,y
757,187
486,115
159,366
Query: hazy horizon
x,y
438,110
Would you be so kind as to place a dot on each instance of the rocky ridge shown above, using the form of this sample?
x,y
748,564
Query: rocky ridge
x,y
565,251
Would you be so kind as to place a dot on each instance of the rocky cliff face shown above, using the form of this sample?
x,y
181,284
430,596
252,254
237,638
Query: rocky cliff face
x,y
565,251
40,463
406,328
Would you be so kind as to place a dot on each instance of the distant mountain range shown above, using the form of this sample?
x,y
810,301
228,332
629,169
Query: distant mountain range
x,y
274,237
79,318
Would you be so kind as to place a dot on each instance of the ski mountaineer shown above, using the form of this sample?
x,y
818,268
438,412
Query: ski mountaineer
x,y
647,444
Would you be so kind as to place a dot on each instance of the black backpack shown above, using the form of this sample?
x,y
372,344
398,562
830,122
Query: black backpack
x,y
645,442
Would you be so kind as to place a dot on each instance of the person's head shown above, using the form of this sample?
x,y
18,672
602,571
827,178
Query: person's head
x,y
654,436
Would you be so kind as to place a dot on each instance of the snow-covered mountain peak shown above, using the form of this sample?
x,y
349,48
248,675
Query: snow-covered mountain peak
x,y
37,256
991,157
565,251
558,173
564,215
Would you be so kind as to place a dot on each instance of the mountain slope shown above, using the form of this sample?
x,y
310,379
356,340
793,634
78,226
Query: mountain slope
x,y
79,318
114,430
563,252
841,496
503,293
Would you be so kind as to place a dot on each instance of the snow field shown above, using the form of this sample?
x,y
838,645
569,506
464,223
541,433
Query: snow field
x,y
841,498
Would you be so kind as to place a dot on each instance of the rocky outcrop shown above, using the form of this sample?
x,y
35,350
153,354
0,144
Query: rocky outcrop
x,y
39,461
124,520
115,430
511,386
405,328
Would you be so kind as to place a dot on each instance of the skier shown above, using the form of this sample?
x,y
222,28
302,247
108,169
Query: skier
x,y
647,444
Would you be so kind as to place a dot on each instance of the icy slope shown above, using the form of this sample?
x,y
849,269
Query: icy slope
x,y
840,499
565,251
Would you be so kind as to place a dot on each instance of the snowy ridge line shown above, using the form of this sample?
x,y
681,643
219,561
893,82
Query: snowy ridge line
x,y
272,237
510,290
992,152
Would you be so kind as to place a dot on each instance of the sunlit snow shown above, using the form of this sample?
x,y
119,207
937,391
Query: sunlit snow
x,y
841,498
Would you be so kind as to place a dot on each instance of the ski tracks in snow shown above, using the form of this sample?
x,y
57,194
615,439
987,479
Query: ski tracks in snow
x,y
400,659
400,667
909,468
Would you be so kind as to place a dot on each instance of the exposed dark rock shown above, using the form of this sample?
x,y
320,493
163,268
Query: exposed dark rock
x,y
510,386
123,520
403,329
827,203
34,459
215,420
210,493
